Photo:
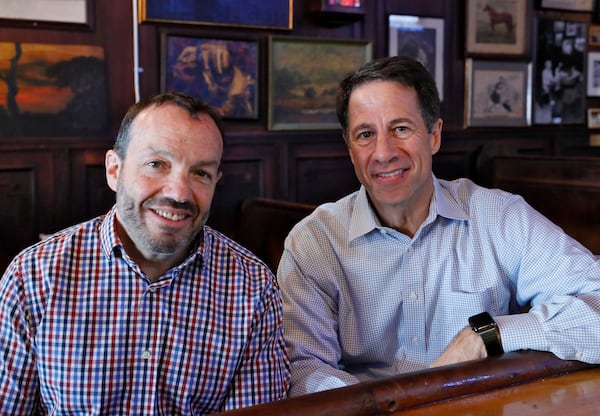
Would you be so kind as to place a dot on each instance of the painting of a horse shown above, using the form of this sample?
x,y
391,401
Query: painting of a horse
x,y
499,18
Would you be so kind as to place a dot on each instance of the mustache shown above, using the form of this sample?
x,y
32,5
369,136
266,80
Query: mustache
x,y
171,203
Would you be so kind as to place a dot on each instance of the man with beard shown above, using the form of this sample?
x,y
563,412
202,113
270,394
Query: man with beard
x,y
145,310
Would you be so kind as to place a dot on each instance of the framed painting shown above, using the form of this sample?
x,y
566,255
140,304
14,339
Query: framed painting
x,y
497,27
422,39
498,93
559,65
572,5
52,90
304,74
223,73
593,74
52,14
271,14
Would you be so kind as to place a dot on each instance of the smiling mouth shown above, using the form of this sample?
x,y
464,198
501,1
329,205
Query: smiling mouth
x,y
169,215
390,174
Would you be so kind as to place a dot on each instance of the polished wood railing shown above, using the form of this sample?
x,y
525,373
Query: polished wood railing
x,y
410,390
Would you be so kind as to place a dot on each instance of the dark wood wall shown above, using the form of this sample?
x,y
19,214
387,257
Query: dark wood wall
x,y
47,183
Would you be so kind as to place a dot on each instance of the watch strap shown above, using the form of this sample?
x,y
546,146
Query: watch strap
x,y
484,325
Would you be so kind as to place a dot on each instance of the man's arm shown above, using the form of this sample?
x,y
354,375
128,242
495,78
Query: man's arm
x,y
310,325
19,383
263,375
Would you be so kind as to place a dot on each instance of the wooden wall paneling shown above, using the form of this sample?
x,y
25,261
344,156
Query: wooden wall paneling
x,y
248,172
27,200
565,189
320,172
89,193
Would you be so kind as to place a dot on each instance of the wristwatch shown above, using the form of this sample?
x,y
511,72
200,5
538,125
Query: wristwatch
x,y
484,325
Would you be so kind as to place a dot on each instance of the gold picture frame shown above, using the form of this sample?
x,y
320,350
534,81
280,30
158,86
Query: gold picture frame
x,y
304,74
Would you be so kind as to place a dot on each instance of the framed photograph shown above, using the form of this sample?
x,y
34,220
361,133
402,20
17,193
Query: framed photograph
x,y
304,74
593,118
497,27
49,14
420,38
51,90
593,74
498,93
559,65
573,5
594,36
222,73
271,14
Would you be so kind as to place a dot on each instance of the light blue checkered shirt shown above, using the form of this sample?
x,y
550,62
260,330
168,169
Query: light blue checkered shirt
x,y
363,301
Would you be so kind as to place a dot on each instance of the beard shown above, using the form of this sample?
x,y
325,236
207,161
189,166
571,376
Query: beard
x,y
163,241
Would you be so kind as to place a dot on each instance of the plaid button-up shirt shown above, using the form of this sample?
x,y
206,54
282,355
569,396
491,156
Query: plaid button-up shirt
x,y
84,331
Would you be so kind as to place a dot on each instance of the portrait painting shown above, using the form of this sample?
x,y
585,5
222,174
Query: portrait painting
x,y
222,73
421,39
52,90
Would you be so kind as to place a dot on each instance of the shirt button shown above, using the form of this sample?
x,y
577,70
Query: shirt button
x,y
146,355
415,341
578,355
413,296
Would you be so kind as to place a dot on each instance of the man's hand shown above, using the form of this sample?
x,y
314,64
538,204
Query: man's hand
x,y
465,346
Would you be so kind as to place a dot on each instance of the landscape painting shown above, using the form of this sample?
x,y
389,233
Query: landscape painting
x,y
52,90
304,74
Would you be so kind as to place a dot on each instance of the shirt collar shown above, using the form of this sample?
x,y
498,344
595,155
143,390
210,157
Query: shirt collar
x,y
363,218
109,240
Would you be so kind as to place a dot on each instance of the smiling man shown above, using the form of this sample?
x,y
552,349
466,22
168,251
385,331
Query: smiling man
x,y
412,271
146,310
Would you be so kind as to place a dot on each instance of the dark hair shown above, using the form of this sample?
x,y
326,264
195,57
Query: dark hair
x,y
193,106
403,70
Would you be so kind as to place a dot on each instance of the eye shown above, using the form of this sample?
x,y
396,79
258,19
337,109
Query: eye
x,y
155,164
202,173
364,138
402,132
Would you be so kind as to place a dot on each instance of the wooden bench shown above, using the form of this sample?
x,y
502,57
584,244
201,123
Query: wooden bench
x,y
263,225
564,189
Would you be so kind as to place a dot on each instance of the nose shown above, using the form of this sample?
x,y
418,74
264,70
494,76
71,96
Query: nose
x,y
177,187
384,151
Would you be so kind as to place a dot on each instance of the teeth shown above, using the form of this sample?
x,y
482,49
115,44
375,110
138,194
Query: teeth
x,y
396,172
169,216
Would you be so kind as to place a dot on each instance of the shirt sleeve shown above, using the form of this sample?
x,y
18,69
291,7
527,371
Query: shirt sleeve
x,y
558,279
18,375
310,325
263,374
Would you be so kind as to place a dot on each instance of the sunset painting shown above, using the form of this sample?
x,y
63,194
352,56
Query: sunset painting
x,y
52,90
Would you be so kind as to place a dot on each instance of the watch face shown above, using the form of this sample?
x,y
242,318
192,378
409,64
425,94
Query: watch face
x,y
481,322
